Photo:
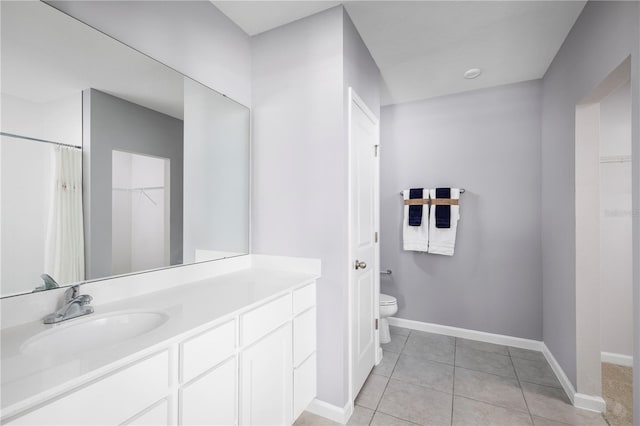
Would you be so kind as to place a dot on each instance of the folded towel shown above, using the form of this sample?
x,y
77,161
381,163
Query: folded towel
x,y
415,237
415,212
443,213
443,240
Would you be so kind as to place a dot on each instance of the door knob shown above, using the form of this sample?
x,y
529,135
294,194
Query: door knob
x,y
360,265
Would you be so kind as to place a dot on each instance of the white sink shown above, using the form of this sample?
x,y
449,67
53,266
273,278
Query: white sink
x,y
92,332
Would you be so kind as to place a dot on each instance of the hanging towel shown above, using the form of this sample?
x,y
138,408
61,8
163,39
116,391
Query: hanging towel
x,y
415,238
415,212
443,240
443,213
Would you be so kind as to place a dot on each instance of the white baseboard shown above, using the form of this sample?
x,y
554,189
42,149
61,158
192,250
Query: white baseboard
x,y
464,333
560,374
618,359
587,402
331,412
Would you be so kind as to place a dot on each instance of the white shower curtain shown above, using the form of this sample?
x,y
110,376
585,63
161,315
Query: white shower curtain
x,y
64,257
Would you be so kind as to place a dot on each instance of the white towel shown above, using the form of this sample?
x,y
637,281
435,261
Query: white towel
x,y
415,238
443,240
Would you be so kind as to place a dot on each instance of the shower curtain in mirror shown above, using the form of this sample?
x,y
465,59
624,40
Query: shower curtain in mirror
x,y
64,256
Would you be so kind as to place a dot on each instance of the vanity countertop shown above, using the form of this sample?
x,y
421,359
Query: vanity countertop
x,y
191,308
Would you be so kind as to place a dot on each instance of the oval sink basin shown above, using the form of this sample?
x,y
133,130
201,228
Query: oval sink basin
x,y
92,333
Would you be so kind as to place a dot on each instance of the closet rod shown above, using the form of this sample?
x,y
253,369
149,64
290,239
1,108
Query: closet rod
x,y
462,191
11,135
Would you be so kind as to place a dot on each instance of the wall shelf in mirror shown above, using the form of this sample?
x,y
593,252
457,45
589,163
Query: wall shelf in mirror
x,y
67,84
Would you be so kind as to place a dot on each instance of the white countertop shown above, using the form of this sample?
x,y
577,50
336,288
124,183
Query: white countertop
x,y
191,308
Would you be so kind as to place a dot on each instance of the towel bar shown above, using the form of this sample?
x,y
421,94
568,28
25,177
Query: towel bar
x,y
462,191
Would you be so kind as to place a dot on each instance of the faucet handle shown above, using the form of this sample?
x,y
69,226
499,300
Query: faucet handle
x,y
71,293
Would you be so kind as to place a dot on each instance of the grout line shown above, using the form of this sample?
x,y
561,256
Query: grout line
x,y
521,389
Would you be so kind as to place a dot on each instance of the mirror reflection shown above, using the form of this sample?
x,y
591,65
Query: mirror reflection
x,y
110,162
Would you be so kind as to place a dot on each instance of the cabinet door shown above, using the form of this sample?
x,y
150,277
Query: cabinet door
x,y
266,394
158,415
211,399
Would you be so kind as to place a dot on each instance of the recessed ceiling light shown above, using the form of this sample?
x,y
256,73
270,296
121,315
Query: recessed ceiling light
x,y
472,73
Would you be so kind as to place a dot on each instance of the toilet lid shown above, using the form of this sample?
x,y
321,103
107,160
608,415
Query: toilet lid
x,y
385,299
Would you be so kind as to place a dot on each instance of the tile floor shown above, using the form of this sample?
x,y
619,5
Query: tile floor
x,y
429,379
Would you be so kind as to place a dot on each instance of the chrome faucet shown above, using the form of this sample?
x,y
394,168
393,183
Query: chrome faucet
x,y
75,305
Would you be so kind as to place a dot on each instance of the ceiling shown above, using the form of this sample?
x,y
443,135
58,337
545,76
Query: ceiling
x,y
423,48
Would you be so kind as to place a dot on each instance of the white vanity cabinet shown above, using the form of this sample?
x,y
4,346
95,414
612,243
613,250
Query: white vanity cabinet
x,y
209,375
113,399
266,395
254,367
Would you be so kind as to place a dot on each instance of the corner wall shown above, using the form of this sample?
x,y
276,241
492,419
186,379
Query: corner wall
x,y
603,36
488,142
299,192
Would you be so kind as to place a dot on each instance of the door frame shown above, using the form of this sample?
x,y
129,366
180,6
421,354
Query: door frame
x,y
354,98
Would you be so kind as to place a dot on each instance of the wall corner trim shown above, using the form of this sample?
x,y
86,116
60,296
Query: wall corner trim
x,y
579,400
331,412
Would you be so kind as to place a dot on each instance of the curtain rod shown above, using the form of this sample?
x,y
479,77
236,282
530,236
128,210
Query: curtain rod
x,y
11,135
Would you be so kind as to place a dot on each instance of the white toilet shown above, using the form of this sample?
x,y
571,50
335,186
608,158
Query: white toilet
x,y
388,308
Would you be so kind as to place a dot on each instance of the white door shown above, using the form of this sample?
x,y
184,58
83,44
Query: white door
x,y
266,395
364,267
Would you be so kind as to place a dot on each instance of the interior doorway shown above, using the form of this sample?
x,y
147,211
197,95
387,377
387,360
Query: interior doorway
x,y
604,282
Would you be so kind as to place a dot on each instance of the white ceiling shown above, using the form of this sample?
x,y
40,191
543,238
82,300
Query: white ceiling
x,y
423,47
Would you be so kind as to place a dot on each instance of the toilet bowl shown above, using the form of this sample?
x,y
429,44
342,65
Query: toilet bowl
x,y
388,307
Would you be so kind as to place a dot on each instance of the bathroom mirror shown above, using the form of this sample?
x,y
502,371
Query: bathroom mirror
x,y
111,163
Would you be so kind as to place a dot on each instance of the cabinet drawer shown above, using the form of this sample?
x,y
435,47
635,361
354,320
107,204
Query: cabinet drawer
x,y
304,336
158,415
211,399
304,298
260,321
208,349
110,400
304,385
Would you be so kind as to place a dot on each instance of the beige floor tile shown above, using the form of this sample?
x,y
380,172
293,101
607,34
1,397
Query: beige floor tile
x,y
434,375
490,388
486,362
372,391
482,346
310,419
361,416
381,419
416,404
401,331
433,347
552,403
526,354
468,412
396,344
388,363
536,371
541,421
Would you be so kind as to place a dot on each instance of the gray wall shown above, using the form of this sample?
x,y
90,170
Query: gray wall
x,y
301,73
488,142
299,193
602,37
360,70
110,123
193,37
